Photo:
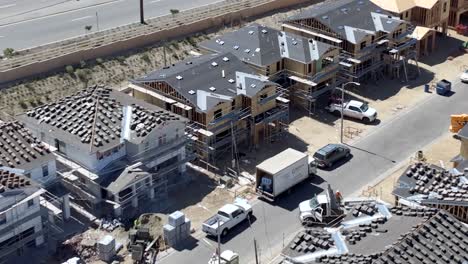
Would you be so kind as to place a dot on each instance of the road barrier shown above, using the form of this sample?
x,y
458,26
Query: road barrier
x,y
54,56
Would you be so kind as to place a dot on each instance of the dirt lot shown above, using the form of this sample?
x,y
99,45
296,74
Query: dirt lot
x,y
440,152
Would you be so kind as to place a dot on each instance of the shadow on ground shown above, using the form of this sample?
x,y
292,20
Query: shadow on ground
x,y
192,193
446,46
387,87
250,157
189,244
303,191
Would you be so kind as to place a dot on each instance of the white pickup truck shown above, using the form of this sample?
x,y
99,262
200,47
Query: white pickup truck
x,y
354,109
227,218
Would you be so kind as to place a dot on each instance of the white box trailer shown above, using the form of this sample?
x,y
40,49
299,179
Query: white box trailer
x,y
281,172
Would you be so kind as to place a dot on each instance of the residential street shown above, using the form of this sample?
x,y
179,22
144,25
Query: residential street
x,y
45,22
388,144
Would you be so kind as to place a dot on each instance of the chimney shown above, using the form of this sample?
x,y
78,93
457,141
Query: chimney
x,y
223,74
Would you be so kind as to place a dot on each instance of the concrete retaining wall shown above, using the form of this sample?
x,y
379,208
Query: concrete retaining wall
x,y
57,61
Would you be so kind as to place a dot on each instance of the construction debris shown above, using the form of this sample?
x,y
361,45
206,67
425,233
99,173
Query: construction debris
x,y
145,238
110,225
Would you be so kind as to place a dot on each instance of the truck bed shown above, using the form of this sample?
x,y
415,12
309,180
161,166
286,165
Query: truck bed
x,y
212,222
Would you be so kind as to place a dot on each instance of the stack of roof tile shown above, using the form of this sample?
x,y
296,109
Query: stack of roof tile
x,y
18,146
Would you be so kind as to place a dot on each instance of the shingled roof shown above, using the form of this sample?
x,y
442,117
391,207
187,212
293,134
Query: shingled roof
x,y
209,79
351,19
19,148
93,117
430,184
262,46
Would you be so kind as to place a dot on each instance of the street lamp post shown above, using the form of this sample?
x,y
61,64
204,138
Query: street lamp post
x,y
97,21
142,16
342,106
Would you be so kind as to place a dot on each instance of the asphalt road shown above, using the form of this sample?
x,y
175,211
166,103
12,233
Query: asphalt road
x,y
29,23
390,143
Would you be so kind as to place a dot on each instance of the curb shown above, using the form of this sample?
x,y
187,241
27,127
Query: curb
x,y
395,168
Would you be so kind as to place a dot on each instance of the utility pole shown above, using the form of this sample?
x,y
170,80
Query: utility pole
x,y
219,243
142,15
342,106
97,21
165,65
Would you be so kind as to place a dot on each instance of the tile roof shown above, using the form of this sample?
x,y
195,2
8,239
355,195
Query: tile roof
x,y
19,148
200,79
12,181
439,238
419,236
351,19
93,117
266,45
430,184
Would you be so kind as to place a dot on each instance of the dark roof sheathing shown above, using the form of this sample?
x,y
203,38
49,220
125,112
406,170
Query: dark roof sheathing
x,y
93,117
351,19
438,184
19,148
265,45
204,72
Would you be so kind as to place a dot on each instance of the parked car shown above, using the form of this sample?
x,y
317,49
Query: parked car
x,y
464,76
227,218
355,109
331,153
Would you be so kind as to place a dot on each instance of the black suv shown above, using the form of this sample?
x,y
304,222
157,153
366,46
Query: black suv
x,y
331,153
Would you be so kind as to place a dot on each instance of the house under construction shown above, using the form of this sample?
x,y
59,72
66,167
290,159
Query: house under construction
x,y
305,67
29,215
225,100
373,42
114,153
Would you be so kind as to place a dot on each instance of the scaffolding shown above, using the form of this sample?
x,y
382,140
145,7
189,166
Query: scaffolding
x,y
400,55
226,133
304,90
51,215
